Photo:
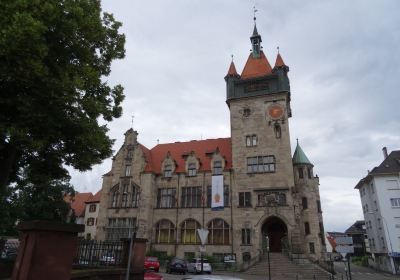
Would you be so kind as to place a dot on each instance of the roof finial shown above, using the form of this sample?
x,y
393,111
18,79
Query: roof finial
x,y
278,49
133,116
297,139
232,57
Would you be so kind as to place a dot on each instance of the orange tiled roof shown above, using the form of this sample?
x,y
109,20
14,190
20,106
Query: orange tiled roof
x,y
78,203
96,198
177,150
256,67
279,61
232,70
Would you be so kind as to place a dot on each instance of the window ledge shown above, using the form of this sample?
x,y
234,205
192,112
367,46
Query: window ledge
x,y
246,245
249,206
277,205
253,173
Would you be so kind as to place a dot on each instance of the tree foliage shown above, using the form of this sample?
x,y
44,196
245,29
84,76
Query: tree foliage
x,y
55,56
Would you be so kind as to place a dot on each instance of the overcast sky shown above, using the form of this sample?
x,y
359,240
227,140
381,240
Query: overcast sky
x,y
344,59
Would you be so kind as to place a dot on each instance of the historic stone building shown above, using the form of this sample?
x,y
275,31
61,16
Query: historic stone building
x,y
167,190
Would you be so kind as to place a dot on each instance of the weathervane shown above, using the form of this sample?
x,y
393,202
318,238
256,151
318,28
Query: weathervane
x,y
254,11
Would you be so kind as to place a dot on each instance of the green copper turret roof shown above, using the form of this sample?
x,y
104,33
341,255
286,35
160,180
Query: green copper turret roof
x,y
299,156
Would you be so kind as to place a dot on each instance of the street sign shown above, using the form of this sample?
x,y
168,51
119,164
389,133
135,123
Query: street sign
x,y
344,240
344,249
203,233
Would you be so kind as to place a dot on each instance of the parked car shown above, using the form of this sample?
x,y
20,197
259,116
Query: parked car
x,y
151,263
152,276
212,277
10,250
176,265
337,258
194,266
108,258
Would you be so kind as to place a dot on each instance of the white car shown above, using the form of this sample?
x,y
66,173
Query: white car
x,y
194,266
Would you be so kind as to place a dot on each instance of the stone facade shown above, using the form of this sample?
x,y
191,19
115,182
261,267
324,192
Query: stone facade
x,y
165,191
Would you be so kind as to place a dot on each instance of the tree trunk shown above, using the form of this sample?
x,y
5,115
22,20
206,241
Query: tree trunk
x,y
8,154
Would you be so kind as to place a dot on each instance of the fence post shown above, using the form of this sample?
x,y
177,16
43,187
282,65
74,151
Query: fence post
x,y
47,250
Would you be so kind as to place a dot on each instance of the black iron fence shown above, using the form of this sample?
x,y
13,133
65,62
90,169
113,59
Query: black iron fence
x,y
8,254
99,253
9,249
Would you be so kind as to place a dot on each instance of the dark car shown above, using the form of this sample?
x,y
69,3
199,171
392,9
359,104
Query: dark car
x,y
10,250
338,258
176,265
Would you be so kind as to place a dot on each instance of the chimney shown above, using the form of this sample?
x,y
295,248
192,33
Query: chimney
x,y
385,153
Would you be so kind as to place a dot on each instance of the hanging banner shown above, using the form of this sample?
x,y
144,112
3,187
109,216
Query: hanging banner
x,y
217,193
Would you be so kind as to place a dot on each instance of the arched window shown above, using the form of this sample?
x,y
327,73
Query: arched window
x,y
114,195
135,196
125,195
218,232
189,232
165,232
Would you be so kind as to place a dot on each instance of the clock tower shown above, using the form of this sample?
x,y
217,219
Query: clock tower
x,y
259,104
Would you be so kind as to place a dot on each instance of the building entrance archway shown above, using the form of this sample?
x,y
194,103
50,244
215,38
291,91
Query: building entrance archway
x,y
277,232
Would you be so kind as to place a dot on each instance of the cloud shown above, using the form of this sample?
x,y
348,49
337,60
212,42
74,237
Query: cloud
x,y
344,68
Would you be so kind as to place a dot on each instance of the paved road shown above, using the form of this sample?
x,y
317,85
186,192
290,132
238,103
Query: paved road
x,y
358,273
361,273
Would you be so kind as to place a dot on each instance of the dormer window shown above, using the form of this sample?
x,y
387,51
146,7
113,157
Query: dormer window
x,y
251,140
217,167
192,170
168,171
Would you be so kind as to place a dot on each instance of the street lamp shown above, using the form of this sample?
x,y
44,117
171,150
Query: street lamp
x,y
390,241
269,264
132,235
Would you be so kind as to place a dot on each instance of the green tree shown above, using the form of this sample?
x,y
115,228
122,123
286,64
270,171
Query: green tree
x,y
55,56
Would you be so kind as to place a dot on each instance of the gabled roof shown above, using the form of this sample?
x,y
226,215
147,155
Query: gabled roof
x,y
95,199
390,165
356,228
77,202
256,67
202,149
299,157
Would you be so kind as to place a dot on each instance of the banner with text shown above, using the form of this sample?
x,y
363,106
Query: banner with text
x,y
217,193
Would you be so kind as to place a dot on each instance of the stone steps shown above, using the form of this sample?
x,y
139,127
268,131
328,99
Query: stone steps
x,y
283,268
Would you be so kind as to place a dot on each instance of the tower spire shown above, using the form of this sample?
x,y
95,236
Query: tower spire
x,y
255,38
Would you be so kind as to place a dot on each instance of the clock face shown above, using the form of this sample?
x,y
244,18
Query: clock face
x,y
275,111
